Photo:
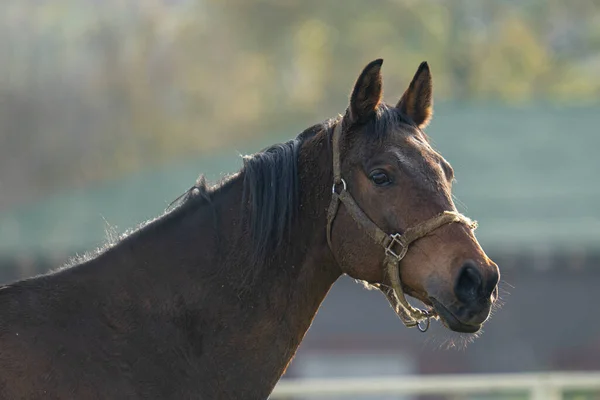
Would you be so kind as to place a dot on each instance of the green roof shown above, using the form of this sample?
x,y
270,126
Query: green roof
x,y
528,175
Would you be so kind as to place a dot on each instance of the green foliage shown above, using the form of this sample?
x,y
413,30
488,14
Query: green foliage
x,y
91,89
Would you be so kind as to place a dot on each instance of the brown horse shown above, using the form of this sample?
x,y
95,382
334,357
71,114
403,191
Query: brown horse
x,y
212,299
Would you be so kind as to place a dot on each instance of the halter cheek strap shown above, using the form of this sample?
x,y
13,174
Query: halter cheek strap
x,y
396,245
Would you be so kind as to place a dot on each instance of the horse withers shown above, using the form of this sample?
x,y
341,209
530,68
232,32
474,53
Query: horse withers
x,y
212,299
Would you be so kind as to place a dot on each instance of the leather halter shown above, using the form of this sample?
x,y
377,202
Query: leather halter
x,y
396,245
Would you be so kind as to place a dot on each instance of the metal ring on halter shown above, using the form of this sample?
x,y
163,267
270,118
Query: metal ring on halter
x,y
334,185
428,322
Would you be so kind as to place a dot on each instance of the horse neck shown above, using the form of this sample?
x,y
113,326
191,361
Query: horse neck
x,y
193,263
267,320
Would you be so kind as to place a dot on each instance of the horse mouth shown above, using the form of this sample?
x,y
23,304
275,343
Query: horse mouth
x,y
450,321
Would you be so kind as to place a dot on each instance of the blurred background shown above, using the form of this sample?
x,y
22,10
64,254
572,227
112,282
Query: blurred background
x,y
109,109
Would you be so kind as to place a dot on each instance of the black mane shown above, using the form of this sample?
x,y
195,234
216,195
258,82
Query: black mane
x,y
271,196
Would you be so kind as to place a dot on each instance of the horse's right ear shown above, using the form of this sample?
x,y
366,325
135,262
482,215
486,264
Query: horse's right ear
x,y
367,93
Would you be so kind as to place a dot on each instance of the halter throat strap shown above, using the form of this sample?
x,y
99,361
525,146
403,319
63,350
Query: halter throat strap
x,y
396,245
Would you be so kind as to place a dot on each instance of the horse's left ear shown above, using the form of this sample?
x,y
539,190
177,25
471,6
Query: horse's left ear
x,y
367,92
417,101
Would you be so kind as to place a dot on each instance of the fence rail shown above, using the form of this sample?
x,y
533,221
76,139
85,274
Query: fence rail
x,y
539,386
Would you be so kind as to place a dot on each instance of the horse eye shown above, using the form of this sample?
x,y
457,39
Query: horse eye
x,y
380,178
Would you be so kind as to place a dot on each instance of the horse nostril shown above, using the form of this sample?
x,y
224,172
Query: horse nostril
x,y
469,284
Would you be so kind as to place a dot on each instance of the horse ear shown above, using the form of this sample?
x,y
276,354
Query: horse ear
x,y
367,92
417,101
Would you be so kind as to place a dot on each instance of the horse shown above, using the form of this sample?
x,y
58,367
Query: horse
x,y
211,299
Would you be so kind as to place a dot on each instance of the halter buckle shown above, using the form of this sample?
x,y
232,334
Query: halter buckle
x,y
395,240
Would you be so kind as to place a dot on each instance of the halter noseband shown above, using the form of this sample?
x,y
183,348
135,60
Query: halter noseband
x,y
395,245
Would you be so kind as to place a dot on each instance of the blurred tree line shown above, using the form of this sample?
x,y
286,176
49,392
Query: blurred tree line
x,y
92,89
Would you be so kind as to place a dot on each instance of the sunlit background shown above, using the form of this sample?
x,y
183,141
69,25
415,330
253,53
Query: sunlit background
x,y
110,109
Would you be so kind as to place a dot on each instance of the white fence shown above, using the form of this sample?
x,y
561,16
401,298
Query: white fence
x,y
539,386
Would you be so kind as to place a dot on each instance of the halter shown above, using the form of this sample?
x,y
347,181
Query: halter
x,y
395,245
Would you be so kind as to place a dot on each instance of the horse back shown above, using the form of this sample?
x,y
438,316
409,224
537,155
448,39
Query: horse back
x,y
47,343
